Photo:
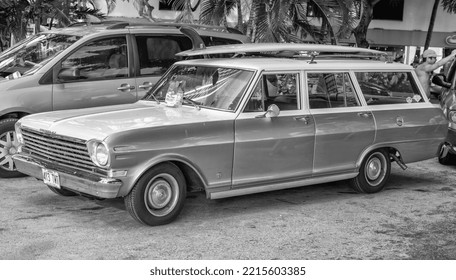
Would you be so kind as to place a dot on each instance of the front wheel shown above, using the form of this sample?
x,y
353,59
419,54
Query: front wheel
x,y
158,197
445,157
8,147
373,174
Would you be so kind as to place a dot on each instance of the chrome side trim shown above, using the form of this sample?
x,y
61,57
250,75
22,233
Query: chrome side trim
x,y
280,186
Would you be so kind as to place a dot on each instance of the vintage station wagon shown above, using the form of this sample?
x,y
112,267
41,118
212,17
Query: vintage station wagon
x,y
273,116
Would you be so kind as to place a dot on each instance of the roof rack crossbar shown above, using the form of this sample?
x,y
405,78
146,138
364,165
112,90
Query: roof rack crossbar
x,y
173,24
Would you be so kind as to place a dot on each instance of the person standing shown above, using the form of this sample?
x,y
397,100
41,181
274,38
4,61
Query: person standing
x,y
429,64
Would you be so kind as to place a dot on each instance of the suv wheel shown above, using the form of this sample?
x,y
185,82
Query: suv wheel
x,y
445,158
8,147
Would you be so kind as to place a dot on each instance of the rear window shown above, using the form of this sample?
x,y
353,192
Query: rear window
x,y
383,88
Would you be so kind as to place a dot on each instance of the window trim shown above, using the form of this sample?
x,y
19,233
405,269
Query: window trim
x,y
355,86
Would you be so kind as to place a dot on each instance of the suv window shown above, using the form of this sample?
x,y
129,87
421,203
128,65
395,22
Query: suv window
x,y
98,60
157,53
328,90
380,88
279,89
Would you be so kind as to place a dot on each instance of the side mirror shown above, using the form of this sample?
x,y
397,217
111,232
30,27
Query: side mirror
x,y
69,74
439,79
272,112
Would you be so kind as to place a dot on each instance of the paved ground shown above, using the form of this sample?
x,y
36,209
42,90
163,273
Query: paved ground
x,y
414,218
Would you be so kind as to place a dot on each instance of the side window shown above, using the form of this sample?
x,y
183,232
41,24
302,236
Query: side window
x,y
158,53
381,88
329,90
278,89
98,60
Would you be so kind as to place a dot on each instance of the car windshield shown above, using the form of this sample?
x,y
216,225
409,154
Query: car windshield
x,y
205,86
28,56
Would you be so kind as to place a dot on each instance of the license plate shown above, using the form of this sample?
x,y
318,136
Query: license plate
x,y
51,178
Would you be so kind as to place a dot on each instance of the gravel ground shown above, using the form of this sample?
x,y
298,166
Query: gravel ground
x,y
413,218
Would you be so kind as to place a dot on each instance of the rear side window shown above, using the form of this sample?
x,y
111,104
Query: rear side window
x,y
330,90
383,88
158,53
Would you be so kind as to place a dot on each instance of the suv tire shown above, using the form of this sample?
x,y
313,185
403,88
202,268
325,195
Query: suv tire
x,y
8,147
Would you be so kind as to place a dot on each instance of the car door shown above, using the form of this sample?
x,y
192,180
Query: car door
x,y
269,149
343,127
403,115
96,74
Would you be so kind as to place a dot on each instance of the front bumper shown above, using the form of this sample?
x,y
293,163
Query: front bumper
x,y
82,183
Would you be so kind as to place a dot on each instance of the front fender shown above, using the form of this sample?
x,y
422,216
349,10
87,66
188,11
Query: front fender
x,y
135,173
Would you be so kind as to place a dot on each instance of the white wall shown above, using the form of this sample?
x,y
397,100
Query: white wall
x,y
417,14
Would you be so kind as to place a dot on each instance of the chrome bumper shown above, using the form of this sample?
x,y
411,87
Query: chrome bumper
x,y
91,184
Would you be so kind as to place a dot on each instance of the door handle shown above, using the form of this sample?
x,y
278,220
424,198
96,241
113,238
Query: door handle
x,y
365,114
146,85
305,119
399,121
125,87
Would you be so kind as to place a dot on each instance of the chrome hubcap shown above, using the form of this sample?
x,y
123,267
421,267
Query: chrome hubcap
x,y
161,195
374,168
8,147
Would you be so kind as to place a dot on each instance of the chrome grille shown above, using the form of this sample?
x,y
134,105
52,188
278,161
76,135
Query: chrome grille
x,y
60,150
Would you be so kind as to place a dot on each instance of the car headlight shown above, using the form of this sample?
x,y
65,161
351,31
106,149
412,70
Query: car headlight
x,y
99,153
19,136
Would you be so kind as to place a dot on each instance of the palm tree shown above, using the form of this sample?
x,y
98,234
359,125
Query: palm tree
x,y
449,6
285,20
16,14
360,31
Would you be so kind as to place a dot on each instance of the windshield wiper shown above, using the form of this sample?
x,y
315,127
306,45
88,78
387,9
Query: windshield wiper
x,y
153,95
194,103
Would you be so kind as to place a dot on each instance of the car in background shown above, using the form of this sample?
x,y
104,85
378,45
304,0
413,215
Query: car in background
x,y
92,65
274,116
447,153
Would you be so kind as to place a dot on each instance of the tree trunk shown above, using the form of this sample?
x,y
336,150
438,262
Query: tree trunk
x,y
251,26
37,16
431,24
240,20
360,31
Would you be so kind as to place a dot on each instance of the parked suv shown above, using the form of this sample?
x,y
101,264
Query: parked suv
x,y
86,66
233,126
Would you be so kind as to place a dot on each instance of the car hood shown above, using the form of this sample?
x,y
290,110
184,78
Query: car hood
x,y
100,122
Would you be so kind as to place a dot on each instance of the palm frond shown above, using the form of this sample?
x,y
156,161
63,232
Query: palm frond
x,y
449,6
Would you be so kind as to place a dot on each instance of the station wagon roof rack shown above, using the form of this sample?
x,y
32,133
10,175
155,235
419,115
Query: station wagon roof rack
x,y
287,50
125,24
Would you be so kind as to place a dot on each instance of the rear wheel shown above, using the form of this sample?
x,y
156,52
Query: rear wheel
x,y
158,197
373,174
8,147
